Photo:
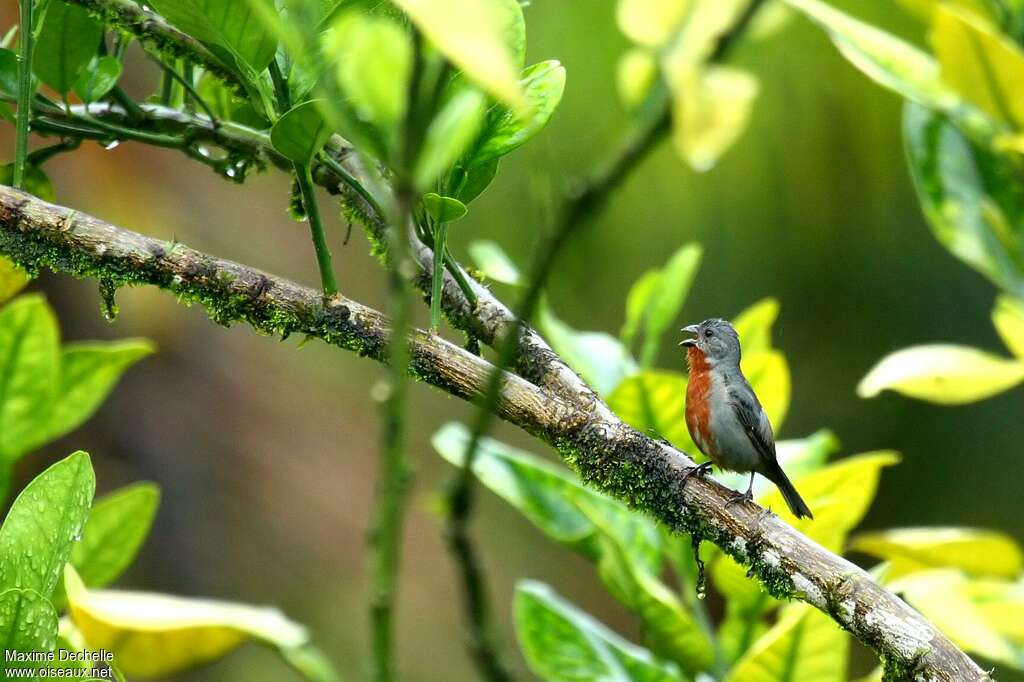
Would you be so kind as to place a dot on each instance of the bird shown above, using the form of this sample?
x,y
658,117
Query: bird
x,y
724,416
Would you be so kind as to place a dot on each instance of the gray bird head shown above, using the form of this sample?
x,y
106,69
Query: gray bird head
x,y
716,338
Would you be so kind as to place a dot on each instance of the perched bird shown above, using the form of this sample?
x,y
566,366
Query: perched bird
x,y
723,415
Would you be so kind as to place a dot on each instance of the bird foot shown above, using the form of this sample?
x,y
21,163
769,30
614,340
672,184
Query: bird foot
x,y
740,497
700,471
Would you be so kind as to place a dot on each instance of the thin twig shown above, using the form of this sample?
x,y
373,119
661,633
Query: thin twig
x,y
316,228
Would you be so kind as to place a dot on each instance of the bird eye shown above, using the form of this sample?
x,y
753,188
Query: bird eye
x,y
708,333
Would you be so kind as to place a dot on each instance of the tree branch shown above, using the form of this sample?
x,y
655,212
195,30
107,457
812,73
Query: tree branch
x,y
608,454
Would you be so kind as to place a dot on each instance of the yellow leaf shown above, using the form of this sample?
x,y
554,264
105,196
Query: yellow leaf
x,y
706,21
944,597
980,63
1008,318
1001,604
942,373
924,9
979,552
12,279
710,110
653,401
768,374
650,22
157,635
634,76
754,325
474,35
838,494
804,645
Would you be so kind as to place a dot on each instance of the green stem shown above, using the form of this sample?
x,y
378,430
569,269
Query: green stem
x,y
187,87
316,228
25,41
351,181
284,99
166,83
460,278
131,108
440,249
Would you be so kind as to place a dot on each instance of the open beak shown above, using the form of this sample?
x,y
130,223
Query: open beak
x,y
692,329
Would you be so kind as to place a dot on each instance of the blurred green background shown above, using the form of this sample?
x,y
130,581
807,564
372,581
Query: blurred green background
x,y
266,453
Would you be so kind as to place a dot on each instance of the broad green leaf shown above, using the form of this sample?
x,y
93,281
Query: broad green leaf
x,y
551,497
1008,318
506,129
301,132
30,356
634,75
89,372
67,42
743,624
117,526
669,630
475,180
28,624
36,181
979,552
449,135
374,61
970,196
654,301
12,279
754,325
443,209
654,402
710,110
942,373
8,72
486,39
97,80
804,645
494,262
978,62
44,522
158,635
892,63
563,644
945,598
650,22
599,358
234,25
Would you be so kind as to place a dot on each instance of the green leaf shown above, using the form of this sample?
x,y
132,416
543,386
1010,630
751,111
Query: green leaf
x,y
374,62
28,624
979,552
301,132
710,109
550,496
44,522
970,196
599,358
449,134
669,630
942,373
98,79
494,262
486,39
67,42
804,645
443,209
563,644
978,62
30,356
36,181
634,75
12,278
653,402
8,72
650,22
158,635
887,60
506,129
1008,318
118,525
89,372
654,302
706,22
234,25
471,183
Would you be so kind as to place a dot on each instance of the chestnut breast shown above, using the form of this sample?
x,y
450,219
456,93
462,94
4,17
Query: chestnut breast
x,y
698,402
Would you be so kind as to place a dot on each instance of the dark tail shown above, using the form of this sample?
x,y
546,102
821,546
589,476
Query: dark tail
x,y
793,499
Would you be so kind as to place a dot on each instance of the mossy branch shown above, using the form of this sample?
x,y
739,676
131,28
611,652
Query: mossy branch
x,y
608,454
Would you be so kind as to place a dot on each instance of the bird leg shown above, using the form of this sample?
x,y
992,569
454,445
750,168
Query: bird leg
x,y
700,471
743,497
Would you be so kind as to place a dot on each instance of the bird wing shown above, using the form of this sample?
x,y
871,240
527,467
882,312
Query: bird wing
x,y
755,423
